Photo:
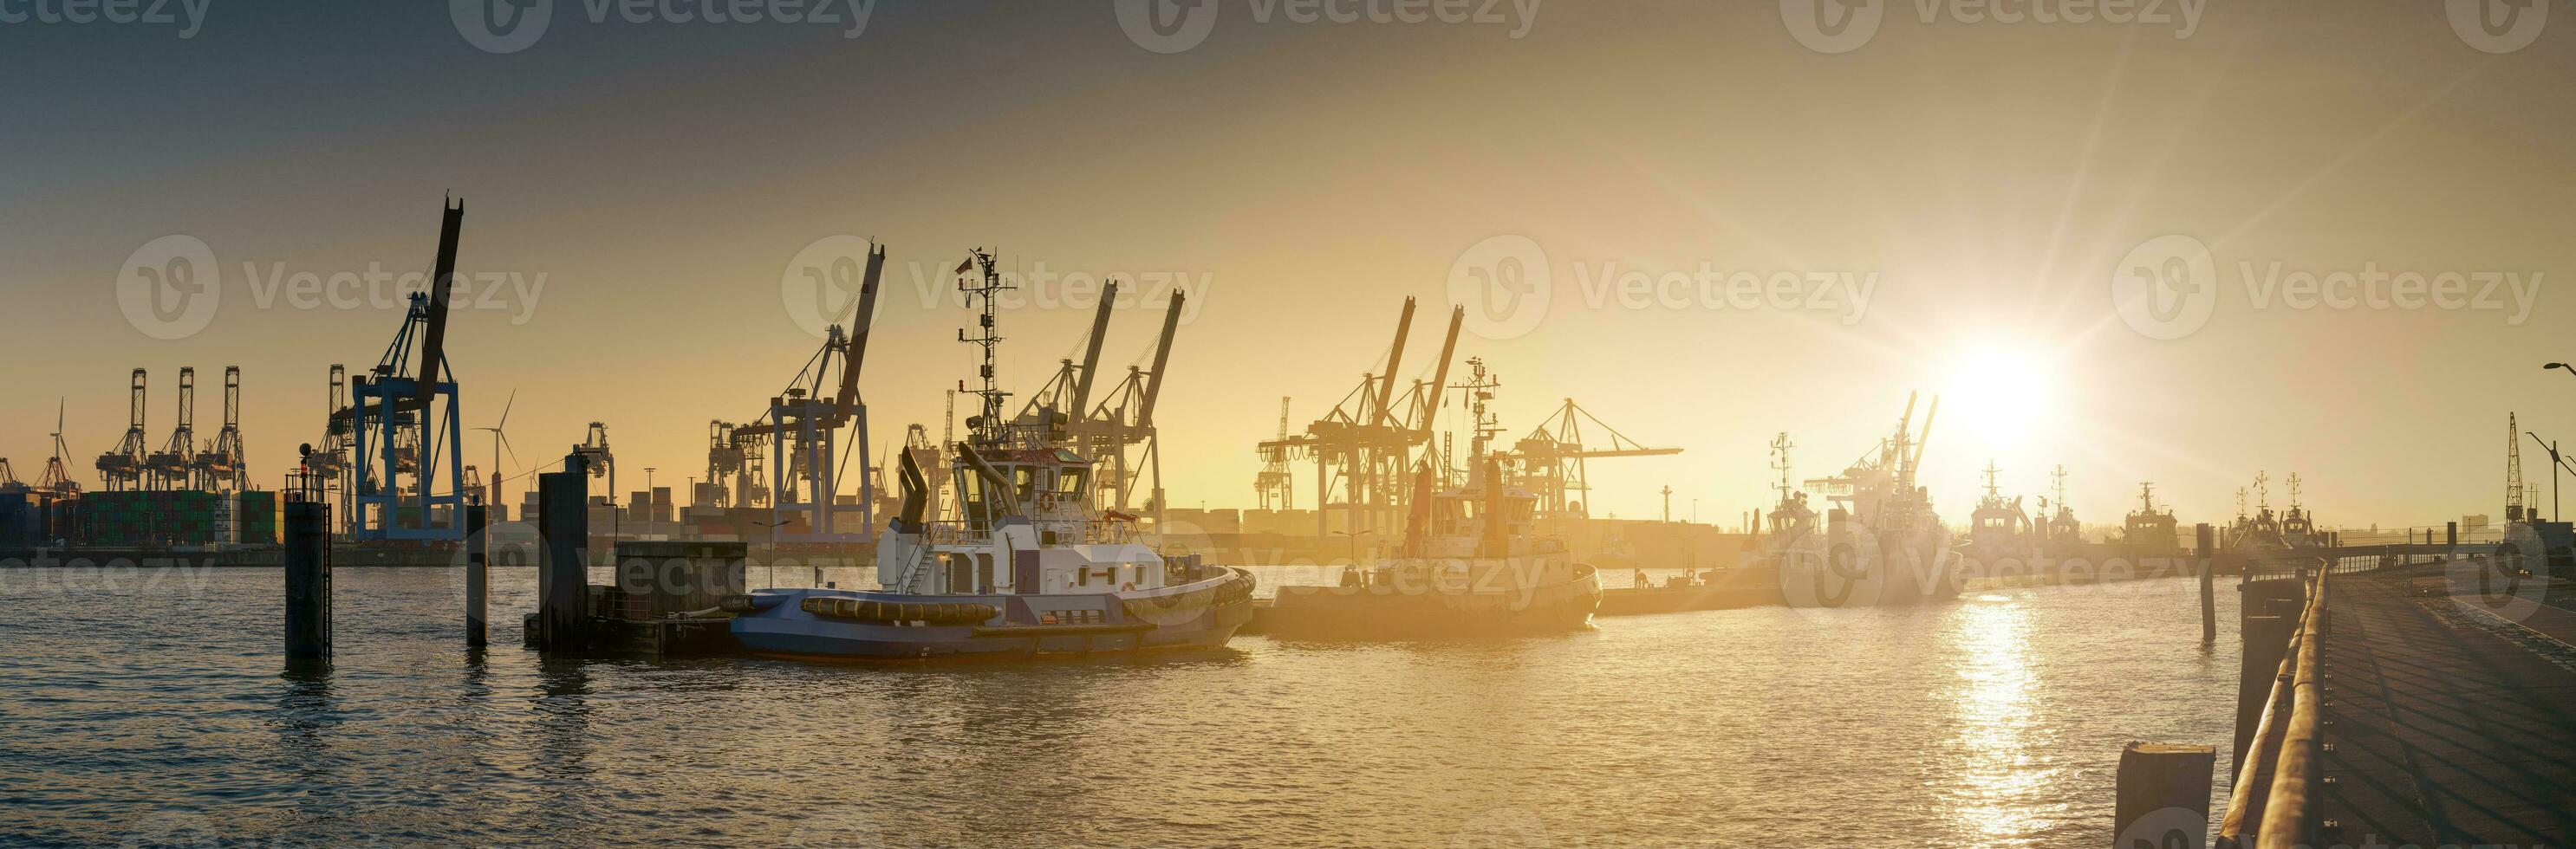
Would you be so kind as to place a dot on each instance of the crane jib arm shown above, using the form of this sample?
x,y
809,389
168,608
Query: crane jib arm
x,y
1394,361
433,346
1162,355
1440,374
1091,355
849,398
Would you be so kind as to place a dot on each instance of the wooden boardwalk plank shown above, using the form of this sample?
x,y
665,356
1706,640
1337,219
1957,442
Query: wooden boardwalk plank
x,y
2452,722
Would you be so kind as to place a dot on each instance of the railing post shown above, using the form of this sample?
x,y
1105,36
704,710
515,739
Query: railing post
x,y
478,578
2267,641
2208,588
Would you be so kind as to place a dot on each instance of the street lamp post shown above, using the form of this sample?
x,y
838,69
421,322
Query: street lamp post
x,y
2553,454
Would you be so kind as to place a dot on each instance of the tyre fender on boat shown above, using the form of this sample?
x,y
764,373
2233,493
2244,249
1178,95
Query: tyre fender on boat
x,y
936,613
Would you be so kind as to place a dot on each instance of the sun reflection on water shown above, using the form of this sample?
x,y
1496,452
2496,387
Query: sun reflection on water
x,y
2003,778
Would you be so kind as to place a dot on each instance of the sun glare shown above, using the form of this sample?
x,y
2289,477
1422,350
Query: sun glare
x,y
1999,393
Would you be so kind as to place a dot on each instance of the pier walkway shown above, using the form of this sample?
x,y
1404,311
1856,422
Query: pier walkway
x,y
2448,719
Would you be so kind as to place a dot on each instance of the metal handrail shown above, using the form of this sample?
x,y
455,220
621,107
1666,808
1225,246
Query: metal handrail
x,y
2290,814
1068,531
2278,813
2244,804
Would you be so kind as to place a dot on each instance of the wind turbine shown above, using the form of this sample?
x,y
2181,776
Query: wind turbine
x,y
500,442
57,479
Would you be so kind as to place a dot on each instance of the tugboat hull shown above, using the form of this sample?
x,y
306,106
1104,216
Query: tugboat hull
x,y
860,626
1383,612
1902,574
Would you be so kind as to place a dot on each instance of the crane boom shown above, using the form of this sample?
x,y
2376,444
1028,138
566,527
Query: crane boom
x,y
1440,376
1394,361
1162,356
848,401
433,344
1091,352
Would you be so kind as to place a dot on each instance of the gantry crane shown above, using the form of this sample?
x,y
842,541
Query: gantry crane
x,y
220,468
1276,486
121,468
328,466
1365,445
805,425
1118,433
407,434
2513,487
168,468
1549,461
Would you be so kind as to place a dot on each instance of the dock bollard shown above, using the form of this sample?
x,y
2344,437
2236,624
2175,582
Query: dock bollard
x,y
2208,589
478,579
563,588
308,580
2163,790
2267,641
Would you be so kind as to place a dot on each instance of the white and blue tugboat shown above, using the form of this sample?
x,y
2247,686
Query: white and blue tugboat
x,y
1027,564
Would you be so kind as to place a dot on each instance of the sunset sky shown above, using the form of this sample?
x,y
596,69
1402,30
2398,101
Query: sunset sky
x,y
1967,190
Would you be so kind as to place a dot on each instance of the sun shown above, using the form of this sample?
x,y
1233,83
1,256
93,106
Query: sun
x,y
1999,393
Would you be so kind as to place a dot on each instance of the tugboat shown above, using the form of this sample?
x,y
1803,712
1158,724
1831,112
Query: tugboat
x,y
1030,566
1998,530
1882,543
2263,531
2298,529
2151,531
1753,582
1472,563
2061,535
1790,530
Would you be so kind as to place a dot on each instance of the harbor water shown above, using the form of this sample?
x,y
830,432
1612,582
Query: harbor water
x,y
154,707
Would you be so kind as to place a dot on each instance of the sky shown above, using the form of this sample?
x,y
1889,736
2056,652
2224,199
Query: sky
x,y
2338,229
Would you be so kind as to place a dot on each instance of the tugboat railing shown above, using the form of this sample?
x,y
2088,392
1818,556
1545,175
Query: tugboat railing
x,y
1053,531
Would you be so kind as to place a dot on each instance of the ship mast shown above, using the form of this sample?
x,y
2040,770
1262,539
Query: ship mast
x,y
1780,446
1480,388
989,427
